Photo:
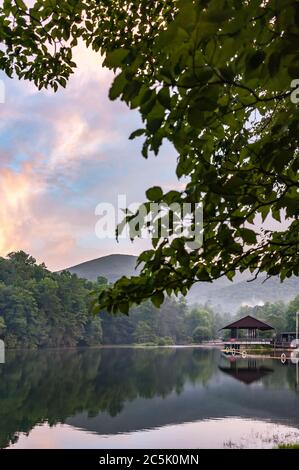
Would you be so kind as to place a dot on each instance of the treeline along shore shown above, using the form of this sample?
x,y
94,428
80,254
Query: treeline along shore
x,y
42,309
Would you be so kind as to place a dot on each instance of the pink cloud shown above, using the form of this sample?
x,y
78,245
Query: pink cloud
x,y
72,152
29,216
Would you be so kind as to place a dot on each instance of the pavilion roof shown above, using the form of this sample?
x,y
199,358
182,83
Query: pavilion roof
x,y
247,323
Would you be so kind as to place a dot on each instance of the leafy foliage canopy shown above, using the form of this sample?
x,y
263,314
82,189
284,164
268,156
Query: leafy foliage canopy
x,y
217,79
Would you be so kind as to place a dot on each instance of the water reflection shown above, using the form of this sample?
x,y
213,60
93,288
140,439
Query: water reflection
x,y
246,371
111,391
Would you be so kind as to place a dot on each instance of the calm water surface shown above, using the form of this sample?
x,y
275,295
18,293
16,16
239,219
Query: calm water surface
x,y
148,398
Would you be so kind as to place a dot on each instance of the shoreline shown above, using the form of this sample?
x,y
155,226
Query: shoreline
x,y
123,346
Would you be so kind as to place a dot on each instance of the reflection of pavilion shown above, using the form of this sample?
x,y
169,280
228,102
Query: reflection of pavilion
x,y
246,371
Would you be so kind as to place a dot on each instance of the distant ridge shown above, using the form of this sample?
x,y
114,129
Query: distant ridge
x,y
221,294
112,267
229,296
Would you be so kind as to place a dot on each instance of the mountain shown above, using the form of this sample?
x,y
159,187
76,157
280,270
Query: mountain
x,y
112,267
229,296
223,294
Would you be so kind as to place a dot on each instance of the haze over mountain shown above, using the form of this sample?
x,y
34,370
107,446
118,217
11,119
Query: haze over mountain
x,y
229,296
223,294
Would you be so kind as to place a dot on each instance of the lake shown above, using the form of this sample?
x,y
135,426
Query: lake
x,y
146,398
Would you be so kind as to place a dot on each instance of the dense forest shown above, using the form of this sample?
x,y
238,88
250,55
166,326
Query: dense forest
x,y
39,309
278,314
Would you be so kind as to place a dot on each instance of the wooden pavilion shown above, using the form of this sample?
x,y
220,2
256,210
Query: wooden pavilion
x,y
251,325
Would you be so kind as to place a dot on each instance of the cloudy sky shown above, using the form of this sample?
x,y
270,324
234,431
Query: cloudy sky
x,y
61,155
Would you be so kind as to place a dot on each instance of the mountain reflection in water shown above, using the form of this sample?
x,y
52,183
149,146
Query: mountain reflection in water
x,y
111,391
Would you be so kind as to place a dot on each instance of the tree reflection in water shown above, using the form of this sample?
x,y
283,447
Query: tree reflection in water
x,y
59,386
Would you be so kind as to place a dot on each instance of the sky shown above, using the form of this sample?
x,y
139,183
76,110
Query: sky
x,y
61,155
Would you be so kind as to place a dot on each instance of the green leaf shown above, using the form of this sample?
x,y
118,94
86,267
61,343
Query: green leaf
x,y
158,299
274,63
227,72
249,236
217,15
255,59
203,275
117,86
204,74
206,104
89,25
274,270
124,308
195,117
154,194
116,58
21,5
293,69
171,196
164,98
132,90
154,124
137,133
146,256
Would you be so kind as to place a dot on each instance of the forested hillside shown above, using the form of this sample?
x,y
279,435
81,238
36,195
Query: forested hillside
x,y
40,309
